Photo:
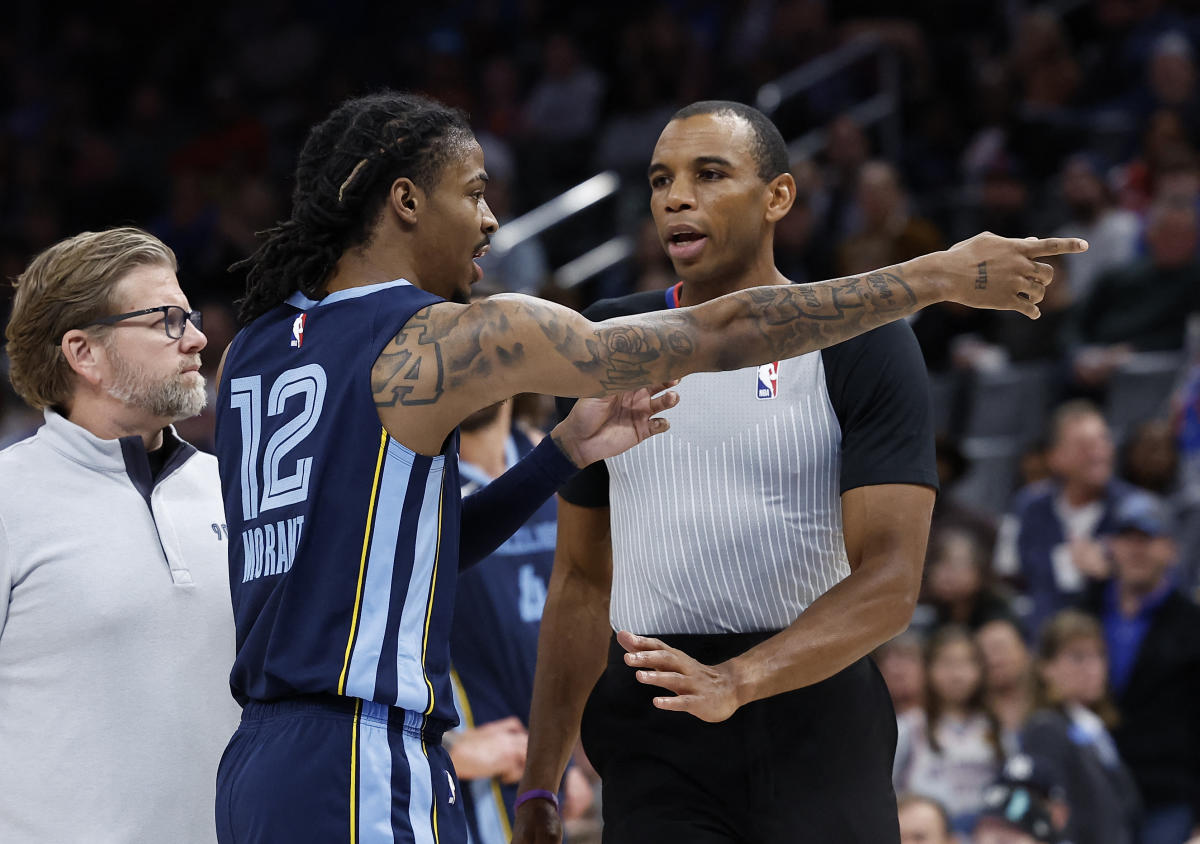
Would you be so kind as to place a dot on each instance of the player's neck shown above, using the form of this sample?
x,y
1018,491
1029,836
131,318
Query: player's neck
x,y
376,264
700,289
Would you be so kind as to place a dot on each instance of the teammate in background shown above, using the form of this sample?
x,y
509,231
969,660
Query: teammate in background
x,y
115,635
337,436
762,551
493,640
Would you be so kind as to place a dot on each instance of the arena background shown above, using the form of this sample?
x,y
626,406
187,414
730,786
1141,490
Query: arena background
x,y
907,132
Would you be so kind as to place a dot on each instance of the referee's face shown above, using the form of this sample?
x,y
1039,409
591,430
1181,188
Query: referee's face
x,y
710,206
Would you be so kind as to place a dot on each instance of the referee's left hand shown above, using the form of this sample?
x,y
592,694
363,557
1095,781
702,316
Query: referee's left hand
x,y
706,691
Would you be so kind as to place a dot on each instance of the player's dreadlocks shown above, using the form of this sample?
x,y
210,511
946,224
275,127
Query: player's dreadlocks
x,y
346,168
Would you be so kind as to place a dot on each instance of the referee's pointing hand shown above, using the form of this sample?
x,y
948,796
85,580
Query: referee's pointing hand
x,y
706,691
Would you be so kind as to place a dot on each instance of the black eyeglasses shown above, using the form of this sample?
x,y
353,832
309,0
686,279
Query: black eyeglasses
x,y
175,319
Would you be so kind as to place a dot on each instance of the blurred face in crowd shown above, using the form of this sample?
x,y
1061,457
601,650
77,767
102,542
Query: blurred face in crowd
x,y
147,370
1078,672
1005,657
955,672
954,572
922,823
1152,457
996,831
1081,188
713,212
1142,561
1083,453
879,194
903,671
1172,234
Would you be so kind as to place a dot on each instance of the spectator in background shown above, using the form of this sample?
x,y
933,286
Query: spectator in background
x,y
1014,814
561,116
886,231
1112,233
948,512
1153,638
1187,432
1048,543
923,820
1150,457
901,661
1144,305
803,248
1007,677
950,750
957,588
1070,729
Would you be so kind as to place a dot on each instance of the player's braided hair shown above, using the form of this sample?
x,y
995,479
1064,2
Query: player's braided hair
x,y
346,168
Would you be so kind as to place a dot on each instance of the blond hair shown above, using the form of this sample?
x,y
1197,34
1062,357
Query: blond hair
x,y
67,286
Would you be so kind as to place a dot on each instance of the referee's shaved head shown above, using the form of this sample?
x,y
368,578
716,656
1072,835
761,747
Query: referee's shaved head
x,y
768,148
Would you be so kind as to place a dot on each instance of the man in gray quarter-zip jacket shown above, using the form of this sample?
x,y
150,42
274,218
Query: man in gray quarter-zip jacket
x,y
116,632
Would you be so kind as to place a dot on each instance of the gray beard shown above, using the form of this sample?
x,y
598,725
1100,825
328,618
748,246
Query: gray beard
x,y
170,398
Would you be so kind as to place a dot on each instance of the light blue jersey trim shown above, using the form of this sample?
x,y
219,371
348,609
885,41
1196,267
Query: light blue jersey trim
x,y
299,300
375,792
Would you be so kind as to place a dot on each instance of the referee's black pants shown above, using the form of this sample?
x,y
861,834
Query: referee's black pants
x,y
812,766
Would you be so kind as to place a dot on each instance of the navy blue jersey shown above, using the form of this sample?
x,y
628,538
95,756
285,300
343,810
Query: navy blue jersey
x,y
343,543
494,638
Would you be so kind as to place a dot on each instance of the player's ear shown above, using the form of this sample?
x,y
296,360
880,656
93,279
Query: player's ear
x,y
782,194
405,200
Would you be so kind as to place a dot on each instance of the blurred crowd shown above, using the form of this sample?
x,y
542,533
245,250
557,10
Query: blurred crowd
x,y
1058,629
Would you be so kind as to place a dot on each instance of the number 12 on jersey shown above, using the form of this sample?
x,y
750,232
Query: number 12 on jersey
x,y
246,397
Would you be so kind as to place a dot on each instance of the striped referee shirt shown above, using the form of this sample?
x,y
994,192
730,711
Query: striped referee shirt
x,y
732,521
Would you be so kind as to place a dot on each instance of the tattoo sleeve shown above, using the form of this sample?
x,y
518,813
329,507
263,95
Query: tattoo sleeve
x,y
531,344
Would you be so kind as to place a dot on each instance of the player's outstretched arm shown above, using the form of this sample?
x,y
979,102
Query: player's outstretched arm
x,y
450,360
572,647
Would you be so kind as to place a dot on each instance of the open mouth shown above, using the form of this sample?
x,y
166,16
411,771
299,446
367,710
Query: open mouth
x,y
685,243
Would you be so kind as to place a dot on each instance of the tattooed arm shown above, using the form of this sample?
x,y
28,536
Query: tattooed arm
x,y
450,360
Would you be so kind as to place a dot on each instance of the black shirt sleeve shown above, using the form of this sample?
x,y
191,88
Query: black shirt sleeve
x,y
880,393
589,488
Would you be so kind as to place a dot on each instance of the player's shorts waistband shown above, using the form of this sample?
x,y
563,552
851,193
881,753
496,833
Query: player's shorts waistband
x,y
415,724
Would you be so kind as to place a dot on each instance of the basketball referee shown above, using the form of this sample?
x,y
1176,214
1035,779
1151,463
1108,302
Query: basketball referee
x,y
764,548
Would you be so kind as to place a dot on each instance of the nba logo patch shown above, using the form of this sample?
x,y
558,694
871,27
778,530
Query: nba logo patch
x,y
768,380
298,331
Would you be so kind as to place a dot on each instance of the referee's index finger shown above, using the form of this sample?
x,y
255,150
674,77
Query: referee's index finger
x,y
1038,247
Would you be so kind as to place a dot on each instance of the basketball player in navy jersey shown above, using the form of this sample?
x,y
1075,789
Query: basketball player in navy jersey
x,y
761,551
493,640
336,437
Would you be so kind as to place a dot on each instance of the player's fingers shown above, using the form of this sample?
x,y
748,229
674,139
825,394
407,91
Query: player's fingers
x,y
1026,307
669,680
1053,246
1033,291
661,660
666,385
634,643
663,401
658,425
1044,273
678,703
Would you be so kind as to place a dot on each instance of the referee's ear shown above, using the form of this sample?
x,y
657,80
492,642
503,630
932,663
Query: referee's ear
x,y
782,195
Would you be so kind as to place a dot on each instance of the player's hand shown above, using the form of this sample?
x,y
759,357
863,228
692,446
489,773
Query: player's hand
x,y
597,428
706,691
1003,273
495,749
537,822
